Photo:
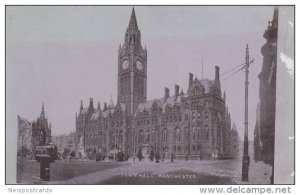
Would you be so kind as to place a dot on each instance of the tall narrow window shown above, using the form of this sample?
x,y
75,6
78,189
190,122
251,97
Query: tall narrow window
x,y
206,133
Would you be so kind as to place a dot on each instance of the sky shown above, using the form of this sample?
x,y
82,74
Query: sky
x,y
60,55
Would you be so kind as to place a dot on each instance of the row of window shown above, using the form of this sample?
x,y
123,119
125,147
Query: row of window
x,y
173,119
182,148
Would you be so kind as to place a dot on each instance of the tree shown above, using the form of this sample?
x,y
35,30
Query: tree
x,y
72,154
66,152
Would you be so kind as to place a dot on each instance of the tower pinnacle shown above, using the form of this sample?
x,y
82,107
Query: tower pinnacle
x,y
132,22
42,112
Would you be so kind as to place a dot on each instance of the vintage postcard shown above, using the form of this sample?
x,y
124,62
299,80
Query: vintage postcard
x,y
150,95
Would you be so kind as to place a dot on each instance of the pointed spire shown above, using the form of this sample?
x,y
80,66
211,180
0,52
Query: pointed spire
x,y
111,101
42,112
181,92
234,127
81,106
132,18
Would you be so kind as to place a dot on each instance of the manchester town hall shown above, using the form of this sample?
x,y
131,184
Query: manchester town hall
x,y
190,123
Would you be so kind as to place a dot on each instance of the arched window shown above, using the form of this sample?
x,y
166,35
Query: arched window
x,y
121,137
206,104
194,133
193,115
206,133
165,136
186,134
199,115
141,137
196,90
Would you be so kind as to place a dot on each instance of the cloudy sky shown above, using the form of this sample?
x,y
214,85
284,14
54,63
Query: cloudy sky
x,y
60,55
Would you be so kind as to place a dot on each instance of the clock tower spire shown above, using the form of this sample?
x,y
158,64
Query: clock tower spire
x,y
132,68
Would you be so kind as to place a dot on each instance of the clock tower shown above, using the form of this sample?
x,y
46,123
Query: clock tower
x,y
132,68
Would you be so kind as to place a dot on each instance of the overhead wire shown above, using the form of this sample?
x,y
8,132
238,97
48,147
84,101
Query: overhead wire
x,y
232,74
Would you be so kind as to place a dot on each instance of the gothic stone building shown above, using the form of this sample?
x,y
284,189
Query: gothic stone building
x,y
32,134
41,131
193,123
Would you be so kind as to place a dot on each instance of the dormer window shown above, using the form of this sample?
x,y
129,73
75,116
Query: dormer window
x,y
196,90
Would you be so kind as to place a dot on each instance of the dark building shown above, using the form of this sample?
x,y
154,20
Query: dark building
x,y
195,123
267,91
234,141
41,131
24,135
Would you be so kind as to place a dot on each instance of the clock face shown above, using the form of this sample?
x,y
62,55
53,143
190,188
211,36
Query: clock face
x,y
139,65
125,64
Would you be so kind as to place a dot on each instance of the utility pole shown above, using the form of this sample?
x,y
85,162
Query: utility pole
x,y
246,158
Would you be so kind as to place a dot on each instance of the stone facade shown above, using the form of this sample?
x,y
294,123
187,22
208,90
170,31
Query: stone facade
x,y
195,123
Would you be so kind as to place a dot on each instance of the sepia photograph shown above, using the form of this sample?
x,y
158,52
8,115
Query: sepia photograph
x,y
149,95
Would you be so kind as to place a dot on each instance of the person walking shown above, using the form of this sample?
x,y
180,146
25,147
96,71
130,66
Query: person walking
x,y
140,156
157,157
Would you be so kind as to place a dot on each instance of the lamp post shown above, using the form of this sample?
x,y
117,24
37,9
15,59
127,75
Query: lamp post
x,y
246,158
115,145
176,138
134,146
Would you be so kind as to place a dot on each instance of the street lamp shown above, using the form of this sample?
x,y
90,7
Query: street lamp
x,y
176,138
115,134
134,146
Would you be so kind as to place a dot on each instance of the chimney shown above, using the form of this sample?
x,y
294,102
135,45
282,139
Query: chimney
x,y
91,103
176,91
190,79
217,78
167,93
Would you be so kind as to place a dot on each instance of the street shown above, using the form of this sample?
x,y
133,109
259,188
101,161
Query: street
x,y
180,172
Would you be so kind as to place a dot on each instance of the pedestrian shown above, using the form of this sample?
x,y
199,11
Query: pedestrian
x,y
157,157
172,157
140,156
151,156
